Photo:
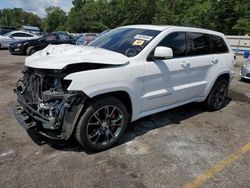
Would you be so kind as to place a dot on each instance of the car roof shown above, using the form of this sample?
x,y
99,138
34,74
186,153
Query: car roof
x,y
166,27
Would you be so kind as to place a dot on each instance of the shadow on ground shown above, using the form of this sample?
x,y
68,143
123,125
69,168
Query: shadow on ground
x,y
135,129
237,96
244,80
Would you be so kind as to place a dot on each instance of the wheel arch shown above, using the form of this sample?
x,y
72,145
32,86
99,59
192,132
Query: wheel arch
x,y
122,95
225,75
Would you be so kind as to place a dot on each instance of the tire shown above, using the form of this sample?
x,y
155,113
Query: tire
x,y
30,50
95,127
245,80
217,96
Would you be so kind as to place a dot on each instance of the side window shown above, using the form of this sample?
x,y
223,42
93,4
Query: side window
x,y
198,44
14,35
176,41
21,35
218,45
27,35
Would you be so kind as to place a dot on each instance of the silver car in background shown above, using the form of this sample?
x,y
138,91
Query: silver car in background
x,y
245,71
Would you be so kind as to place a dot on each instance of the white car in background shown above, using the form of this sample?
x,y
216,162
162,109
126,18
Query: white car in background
x,y
14,36
92,92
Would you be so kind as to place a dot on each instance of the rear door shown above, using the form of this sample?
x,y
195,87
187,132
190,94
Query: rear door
x,y
201,61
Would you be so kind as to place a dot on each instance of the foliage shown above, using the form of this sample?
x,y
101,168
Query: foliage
x,y
227,16
55,19
17,17
90,17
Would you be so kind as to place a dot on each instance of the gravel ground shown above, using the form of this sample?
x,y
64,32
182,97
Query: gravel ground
x,y
168,149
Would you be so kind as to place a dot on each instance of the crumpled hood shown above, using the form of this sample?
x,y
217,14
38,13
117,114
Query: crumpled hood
x,y
59,56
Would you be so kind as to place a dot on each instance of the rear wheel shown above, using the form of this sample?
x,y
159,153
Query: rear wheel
x,y
217,96
102,124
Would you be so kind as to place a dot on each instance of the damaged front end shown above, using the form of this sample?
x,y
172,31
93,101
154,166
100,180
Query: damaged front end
x,y
45,104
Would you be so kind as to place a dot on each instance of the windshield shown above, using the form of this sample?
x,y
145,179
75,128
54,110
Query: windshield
x,y
127,41
7,34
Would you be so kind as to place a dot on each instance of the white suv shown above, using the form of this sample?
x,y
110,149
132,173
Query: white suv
x,y
94,91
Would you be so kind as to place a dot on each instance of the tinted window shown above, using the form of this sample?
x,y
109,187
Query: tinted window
x,y
218,45
177,42
14,35
199,44
27,35
21,35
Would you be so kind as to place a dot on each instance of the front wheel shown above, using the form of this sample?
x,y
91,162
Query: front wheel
x,y
217,96
102,124
30,50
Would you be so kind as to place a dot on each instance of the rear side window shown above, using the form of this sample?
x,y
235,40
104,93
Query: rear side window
x,y
218,45
199,44
177,42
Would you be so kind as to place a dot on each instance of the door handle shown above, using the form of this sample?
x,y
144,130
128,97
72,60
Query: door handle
x,y
185,64
214,60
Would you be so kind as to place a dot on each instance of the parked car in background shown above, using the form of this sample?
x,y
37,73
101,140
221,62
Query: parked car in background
x,y
4,30
245,70
29,47
15,36
90,36
81,40
92,92
86,38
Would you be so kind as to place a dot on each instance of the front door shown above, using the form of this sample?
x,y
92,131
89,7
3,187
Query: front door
x,y
166,80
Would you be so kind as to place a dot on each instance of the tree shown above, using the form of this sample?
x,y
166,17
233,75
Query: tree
x,y
242,26
90,17
227,16
17,17
55,19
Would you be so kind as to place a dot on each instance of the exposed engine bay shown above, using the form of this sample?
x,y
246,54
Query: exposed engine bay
x,y
45,102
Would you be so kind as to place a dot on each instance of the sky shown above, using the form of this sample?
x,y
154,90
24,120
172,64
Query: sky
x,y
36,6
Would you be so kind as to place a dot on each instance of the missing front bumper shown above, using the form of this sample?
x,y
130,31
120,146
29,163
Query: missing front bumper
x,y
30,118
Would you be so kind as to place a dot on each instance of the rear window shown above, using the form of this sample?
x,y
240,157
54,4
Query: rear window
x,y
218,45
199,44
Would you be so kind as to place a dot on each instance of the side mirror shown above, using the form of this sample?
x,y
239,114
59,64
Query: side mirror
x,y
162,52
